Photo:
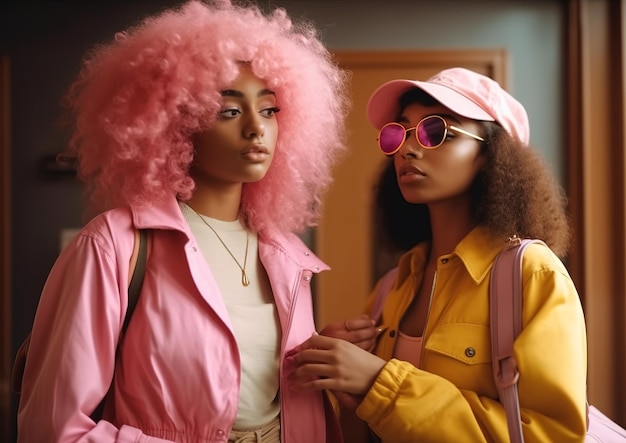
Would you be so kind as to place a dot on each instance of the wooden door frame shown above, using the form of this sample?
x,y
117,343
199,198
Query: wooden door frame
x,y
496,60
596,187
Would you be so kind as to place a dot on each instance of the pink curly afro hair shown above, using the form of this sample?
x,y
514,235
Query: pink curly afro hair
x,y
139,98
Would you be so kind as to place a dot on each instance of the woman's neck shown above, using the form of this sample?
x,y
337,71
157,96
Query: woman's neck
x,y
450,223
221,204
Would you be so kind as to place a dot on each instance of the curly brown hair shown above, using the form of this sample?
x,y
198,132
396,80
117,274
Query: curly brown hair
x,y
514,193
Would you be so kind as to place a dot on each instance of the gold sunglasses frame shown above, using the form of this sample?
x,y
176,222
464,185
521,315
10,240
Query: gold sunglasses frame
x,y
447,127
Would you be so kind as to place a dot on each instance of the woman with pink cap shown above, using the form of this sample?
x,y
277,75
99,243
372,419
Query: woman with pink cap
x,y
462,182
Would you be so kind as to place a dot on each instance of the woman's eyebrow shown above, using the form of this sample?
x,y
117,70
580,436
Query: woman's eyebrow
x,y
235,93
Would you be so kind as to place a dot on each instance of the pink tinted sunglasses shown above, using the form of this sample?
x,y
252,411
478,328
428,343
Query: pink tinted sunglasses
x,y
430,133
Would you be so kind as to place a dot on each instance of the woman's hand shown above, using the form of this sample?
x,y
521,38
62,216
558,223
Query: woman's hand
x,y
335,364
361,331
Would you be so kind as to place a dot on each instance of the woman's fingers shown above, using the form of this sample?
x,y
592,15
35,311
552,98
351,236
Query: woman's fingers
x,y
361,322
360,330
330,363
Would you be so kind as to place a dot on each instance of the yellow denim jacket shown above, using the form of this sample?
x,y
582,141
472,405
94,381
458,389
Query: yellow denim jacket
x,y
452,396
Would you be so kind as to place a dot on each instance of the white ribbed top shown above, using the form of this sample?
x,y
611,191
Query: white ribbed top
x,y
252,314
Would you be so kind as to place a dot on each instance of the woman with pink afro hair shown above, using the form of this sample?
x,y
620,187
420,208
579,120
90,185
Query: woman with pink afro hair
x,y
212,128
138,99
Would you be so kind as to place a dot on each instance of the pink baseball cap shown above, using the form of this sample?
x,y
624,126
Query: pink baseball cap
x,y
464,92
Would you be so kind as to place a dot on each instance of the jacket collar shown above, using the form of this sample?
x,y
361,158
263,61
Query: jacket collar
x,y
291,246
167,215
476,252
160,215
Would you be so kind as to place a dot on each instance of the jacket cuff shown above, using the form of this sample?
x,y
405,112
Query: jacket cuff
x,y
382,395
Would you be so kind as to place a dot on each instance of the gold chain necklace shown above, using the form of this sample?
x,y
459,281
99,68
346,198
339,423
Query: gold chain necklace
x,y
244,277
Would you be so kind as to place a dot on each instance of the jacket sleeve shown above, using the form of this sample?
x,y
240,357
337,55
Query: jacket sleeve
x,y
72,351
406,404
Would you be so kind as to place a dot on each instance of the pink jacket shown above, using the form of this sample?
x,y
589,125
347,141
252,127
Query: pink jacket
x,y
177,376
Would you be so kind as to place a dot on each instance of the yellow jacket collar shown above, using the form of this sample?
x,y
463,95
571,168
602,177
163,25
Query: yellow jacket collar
x,y
476,251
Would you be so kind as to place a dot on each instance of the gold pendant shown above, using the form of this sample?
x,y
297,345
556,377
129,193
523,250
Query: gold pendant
x,y
244,278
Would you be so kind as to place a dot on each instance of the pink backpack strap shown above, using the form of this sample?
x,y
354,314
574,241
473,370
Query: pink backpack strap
x,y
385,283
505,298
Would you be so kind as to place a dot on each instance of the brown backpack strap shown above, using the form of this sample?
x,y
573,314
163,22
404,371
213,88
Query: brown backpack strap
x,y
139,270
18,365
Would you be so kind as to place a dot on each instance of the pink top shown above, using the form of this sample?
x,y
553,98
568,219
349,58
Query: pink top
x,y
178,372
408,348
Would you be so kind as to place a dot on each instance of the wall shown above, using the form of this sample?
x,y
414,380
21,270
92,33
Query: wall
x,y
530,30
45,41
